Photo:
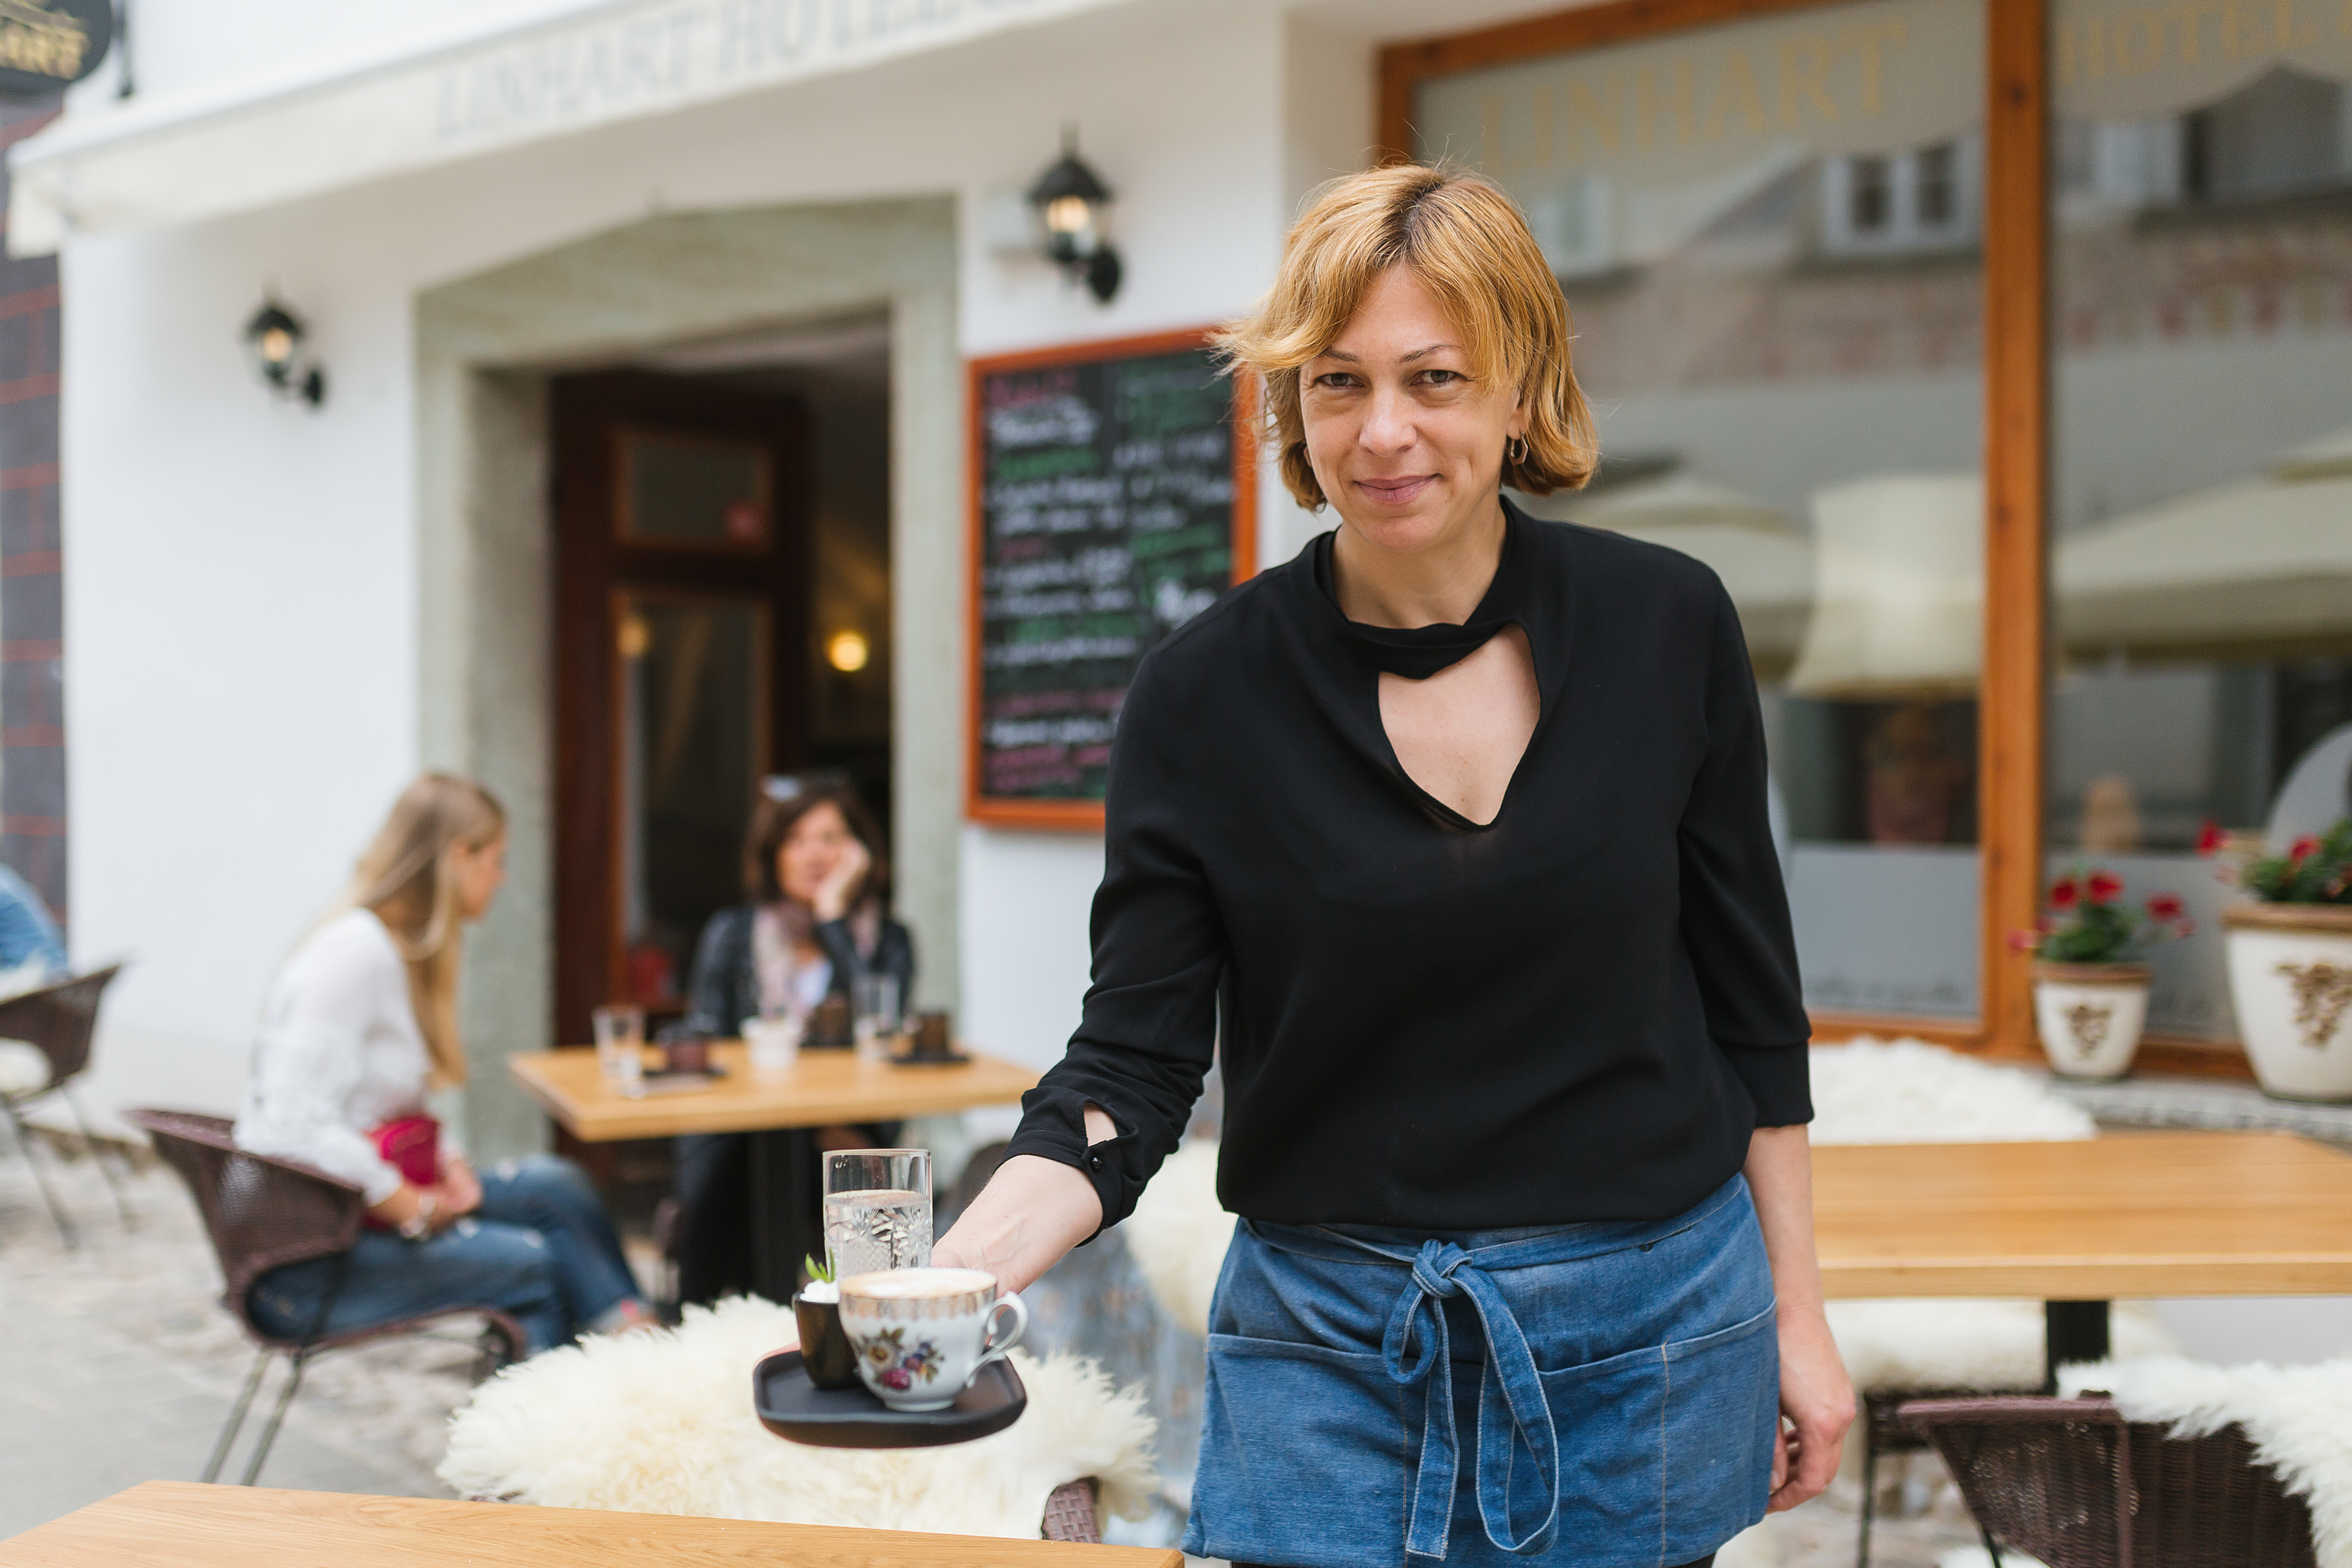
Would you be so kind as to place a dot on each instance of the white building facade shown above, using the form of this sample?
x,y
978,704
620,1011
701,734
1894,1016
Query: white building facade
x,y
279,614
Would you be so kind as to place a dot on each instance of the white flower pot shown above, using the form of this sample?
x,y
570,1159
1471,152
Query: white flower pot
x,y
2091,1016
2291,982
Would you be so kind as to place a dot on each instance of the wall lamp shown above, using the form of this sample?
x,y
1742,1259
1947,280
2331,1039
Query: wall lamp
x,y
274,338
1072,202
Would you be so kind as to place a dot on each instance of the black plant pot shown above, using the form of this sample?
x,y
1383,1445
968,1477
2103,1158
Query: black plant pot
x,y
825,1351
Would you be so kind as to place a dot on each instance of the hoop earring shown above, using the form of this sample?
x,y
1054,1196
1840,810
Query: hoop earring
x,y
1516,450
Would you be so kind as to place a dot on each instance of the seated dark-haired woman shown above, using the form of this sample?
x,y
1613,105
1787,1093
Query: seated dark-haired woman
x,y
816,919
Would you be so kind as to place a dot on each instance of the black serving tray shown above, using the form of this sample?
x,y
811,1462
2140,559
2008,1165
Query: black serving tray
x,y
792,1407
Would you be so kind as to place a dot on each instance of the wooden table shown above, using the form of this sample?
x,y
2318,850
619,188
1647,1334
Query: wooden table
x,y
822,1089
179,1524
2078,1224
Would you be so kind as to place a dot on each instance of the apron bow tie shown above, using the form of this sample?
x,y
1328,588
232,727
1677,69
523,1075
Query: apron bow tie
x,y
1512,1410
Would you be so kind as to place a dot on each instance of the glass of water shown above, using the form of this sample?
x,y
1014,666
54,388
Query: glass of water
x,y
878,1210
877,1002
621,1043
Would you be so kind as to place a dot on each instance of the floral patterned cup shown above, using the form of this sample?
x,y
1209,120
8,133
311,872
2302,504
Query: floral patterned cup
x,y
923,1334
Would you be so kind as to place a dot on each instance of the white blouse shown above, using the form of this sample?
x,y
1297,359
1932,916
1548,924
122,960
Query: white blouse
x,y
339,1055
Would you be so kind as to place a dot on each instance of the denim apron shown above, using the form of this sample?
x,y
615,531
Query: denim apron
x,y
1617,1385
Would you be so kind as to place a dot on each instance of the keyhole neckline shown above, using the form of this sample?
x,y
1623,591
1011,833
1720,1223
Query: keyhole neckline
x,y
1417,653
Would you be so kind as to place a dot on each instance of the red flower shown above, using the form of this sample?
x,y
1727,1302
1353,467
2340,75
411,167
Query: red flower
x,y
2210,838
2104,886
2302,847
2064,895
2164,907
2024,941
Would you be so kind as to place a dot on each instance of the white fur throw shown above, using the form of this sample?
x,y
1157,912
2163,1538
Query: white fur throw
x,y
661,1422
2299,1419
1983,1344
1178,1234
1907,1091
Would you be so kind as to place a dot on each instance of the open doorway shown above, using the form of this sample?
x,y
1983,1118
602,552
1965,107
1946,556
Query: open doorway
x,y
723,614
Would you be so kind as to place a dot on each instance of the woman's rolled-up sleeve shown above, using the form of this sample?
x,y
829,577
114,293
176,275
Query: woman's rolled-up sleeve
x,y
1148,1030
1735,903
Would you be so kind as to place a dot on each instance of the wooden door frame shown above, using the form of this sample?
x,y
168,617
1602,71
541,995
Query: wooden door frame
x,y
594,567
2012,715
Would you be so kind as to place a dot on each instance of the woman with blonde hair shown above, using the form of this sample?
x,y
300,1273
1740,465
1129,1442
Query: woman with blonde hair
x,y
1450,838
361,1024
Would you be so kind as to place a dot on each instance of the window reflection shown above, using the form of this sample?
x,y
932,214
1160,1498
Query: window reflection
x,y
2203,549
1768,236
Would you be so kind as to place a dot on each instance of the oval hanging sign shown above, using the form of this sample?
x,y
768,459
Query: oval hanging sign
x,y
47,46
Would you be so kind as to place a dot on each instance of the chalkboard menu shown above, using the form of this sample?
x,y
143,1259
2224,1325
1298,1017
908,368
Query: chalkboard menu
x,y
1111,502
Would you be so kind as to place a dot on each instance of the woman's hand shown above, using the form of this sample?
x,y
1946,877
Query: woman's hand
x,y
460,1189
1816,1395
1817,1400
840,883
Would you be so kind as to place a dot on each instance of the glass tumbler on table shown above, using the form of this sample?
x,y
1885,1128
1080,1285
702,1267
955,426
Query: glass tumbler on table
x,y
878,1210
876,999
621,1043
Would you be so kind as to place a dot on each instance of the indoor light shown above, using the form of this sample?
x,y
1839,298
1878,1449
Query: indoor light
x,y
1072,202
274,338
846,652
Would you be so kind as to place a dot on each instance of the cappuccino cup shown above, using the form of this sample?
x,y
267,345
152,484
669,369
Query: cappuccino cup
x,y
923,1334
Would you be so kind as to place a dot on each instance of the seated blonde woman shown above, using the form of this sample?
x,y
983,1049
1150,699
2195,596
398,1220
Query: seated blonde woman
x,y
361,1024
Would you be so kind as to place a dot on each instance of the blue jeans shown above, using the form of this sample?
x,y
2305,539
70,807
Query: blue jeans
x,y
540,1248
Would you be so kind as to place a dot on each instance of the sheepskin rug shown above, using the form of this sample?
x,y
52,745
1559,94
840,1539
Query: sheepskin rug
x,y
661,1422
1909,1091
2299,1419
1179,1233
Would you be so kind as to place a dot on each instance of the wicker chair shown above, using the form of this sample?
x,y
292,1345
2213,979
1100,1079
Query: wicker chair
x,y
2073,1482
262,1214
57,1021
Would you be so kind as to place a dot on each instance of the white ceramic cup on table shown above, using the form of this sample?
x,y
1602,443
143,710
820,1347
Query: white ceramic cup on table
x,y
923,1334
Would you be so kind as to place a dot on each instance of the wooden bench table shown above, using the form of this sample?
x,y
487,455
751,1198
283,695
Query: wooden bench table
x,y
2078,1224
180,1524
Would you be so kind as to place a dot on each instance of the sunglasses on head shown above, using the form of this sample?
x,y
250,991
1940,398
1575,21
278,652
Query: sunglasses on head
x,y
781,787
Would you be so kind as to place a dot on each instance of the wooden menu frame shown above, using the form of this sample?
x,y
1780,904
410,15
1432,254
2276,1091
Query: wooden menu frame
x,y
2013,698
1072,815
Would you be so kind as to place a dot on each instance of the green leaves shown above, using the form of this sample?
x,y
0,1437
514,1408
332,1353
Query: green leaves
x,y
2313,870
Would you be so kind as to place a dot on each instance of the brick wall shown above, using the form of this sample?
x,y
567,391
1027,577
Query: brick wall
x,y
32,643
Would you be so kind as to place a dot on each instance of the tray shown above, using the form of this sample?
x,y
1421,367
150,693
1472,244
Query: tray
x,y
792,1407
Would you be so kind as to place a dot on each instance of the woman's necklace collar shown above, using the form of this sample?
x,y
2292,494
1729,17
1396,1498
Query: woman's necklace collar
x,y
1417,653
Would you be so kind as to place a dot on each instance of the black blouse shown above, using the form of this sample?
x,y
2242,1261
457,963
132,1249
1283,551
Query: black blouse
x,y
1578,1012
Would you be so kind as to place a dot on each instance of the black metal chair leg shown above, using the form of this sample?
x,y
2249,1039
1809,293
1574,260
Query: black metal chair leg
x,y
89,1147
1992,1548
237,1418
1869,1494
25,1140
269,1433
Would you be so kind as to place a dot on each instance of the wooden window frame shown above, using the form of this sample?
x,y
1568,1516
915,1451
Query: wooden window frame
x,y
2012,714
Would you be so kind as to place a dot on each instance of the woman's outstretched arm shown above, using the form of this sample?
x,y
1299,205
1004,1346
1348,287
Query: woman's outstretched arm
x,y
1816,1395
1032,1211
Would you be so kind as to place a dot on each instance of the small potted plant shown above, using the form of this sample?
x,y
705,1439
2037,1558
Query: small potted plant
x,y
825,1352
2290,954
2090,972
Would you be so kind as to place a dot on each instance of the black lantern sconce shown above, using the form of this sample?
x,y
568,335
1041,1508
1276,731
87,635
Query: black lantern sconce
x,y
1072,202
274,338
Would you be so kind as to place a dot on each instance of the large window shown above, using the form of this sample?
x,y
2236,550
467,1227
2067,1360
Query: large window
x,y
2201,494
1997,353
1769,235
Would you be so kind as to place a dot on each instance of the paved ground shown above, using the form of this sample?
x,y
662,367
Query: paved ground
x,y
119,1366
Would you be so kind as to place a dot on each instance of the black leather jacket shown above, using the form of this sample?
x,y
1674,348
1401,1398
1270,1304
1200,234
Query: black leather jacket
x,y
724,987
